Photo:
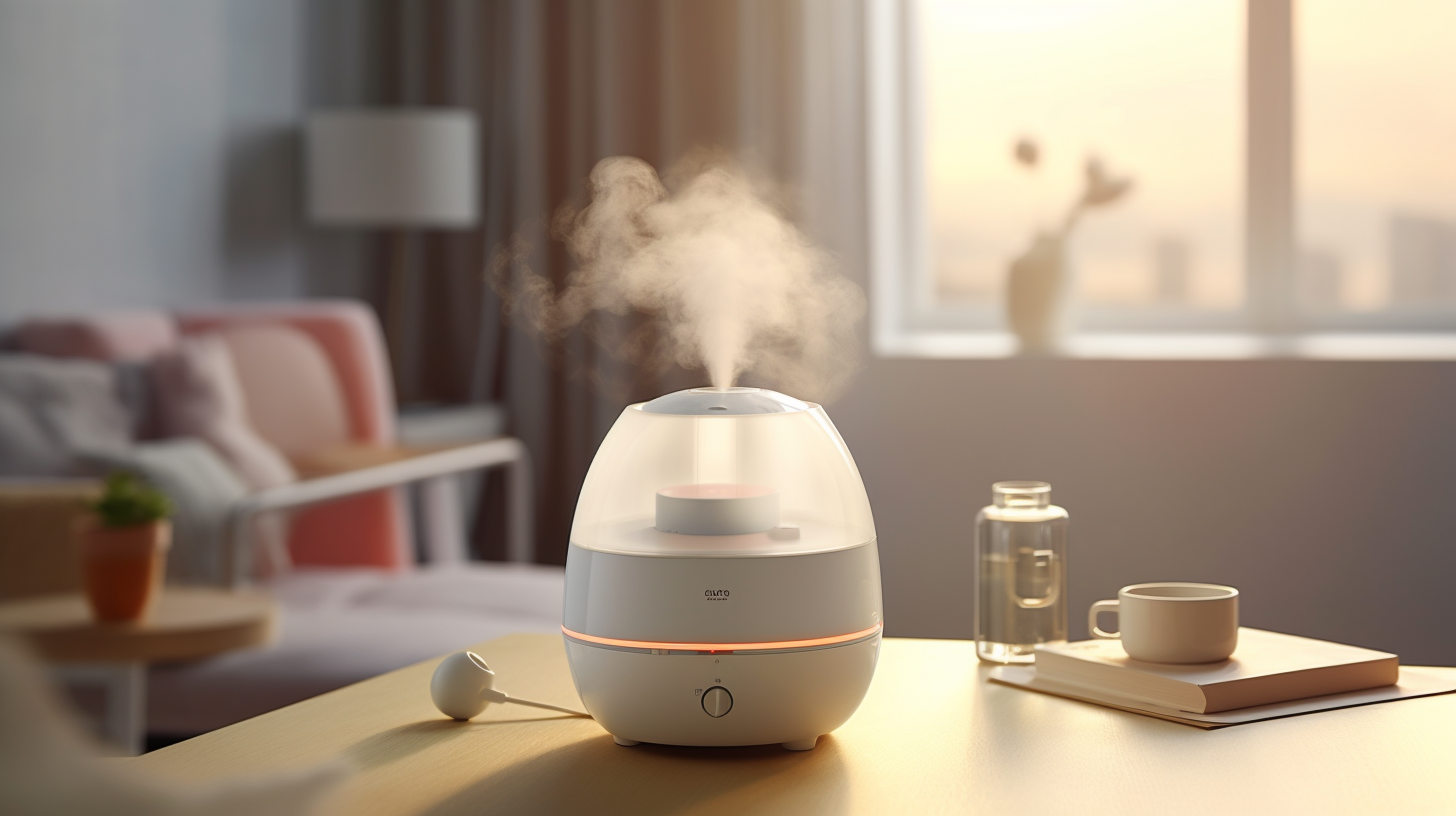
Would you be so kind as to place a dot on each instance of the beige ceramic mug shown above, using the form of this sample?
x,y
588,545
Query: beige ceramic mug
x,y
1173,622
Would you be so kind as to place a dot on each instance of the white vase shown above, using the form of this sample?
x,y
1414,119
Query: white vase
x,y
1037,297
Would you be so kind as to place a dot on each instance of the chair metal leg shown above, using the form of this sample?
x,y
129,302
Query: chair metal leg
x,y
520,507
441,521
124,722
126,715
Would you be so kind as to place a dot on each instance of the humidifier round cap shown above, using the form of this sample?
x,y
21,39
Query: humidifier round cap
x,y
724,402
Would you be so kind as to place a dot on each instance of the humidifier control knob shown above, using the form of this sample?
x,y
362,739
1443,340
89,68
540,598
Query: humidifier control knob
x,y
717,701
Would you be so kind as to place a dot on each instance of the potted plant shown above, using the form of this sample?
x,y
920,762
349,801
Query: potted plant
x,y
124,541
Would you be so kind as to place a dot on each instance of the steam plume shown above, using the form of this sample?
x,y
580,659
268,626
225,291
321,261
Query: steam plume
x,y
731,284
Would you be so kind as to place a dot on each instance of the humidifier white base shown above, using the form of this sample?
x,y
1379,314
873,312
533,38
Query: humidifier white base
x,y
790,697
723,651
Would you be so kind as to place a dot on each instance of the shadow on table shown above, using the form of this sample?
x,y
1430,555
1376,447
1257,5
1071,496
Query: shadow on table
x,y
401,741
659,779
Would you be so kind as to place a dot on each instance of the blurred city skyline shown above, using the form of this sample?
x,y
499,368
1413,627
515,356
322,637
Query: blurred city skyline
x,y
1156,91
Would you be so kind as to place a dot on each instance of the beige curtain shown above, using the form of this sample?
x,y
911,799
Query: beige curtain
x,y
558,86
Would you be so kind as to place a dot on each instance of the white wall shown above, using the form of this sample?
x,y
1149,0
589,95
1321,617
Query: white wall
x,y
1325,491
146,152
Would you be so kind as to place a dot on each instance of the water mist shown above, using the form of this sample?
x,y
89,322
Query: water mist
x,y
732,284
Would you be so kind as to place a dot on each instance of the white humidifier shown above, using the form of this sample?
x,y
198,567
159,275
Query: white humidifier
x,y
723,581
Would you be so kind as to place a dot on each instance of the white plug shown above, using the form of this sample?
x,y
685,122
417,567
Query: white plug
x,y
463,685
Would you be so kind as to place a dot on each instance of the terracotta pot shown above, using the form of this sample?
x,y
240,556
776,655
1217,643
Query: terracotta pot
x,y
122,567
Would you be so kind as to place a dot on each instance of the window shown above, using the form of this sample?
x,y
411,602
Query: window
x,y
1376,161
1293,189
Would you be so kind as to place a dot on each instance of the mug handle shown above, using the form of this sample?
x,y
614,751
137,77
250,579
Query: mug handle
x,y
1097,608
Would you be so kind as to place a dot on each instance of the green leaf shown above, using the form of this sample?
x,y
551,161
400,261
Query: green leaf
x,y
129,501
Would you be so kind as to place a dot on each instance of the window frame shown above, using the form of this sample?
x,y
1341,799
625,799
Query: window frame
x,y
908,321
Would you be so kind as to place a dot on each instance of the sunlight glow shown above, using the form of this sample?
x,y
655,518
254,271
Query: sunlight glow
x,y
1152,87
1377,153
1156,89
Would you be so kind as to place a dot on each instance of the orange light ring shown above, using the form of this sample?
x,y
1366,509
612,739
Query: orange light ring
x,y
722,647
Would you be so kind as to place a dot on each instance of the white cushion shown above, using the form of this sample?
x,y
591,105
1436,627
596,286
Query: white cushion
x,y
51,409
338,627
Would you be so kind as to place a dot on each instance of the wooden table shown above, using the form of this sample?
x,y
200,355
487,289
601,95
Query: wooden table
x,y
187,623
932,737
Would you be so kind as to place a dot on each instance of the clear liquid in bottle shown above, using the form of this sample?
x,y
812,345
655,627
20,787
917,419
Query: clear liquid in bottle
x,y
1021,563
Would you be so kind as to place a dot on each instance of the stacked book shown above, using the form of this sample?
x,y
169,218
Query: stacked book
x,y
1270,675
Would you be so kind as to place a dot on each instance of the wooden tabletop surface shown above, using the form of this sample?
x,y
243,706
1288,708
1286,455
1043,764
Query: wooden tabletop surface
x,y
187,623
931,737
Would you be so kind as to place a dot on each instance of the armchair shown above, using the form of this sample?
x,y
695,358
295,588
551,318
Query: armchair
x,y
316,386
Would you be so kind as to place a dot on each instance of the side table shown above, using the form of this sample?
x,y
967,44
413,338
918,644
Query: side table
x,y
187,623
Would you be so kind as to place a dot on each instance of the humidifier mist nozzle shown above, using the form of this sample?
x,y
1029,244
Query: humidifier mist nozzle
x,y
734,401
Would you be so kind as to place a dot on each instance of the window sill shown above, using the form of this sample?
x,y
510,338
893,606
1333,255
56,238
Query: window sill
x,y
1179,346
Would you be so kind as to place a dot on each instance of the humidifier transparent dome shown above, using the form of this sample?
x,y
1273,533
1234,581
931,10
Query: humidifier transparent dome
x,y
723,472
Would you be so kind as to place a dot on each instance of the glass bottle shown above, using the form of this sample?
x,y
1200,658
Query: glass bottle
x,y
1021,563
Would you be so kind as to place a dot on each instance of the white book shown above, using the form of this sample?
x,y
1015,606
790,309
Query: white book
x,y
1414,682
1267,667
